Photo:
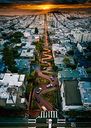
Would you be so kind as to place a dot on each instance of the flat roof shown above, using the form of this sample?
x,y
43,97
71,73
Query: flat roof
x,y
72,93
85,90
9,84
59,47
69,73
22,63
26,53
12,79
59,60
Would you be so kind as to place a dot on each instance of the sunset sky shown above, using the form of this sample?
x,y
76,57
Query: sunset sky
x,y
14,7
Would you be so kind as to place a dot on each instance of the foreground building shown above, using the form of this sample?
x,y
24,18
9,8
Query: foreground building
x,y
76,97
12,87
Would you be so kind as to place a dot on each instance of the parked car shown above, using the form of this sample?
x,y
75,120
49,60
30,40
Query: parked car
x,y
37,100
38,90
44,68
52,78
49,85
44,108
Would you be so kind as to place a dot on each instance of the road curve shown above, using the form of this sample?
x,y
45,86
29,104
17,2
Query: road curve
x,y
45,57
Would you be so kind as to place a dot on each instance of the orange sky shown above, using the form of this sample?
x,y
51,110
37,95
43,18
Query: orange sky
x,y
51,6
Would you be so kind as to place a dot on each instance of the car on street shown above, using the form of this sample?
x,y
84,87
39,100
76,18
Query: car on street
x,y
45,62
37,100
38,90
44,68
52,78
44,108
49,85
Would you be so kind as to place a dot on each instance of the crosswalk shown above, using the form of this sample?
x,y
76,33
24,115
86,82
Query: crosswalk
x,y
49,114
31,121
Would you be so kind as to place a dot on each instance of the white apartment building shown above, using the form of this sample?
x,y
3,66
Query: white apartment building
x,y
12,87
81,35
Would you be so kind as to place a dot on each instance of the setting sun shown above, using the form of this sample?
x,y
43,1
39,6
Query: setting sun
x,y
36,7
39,8
50,6
46,7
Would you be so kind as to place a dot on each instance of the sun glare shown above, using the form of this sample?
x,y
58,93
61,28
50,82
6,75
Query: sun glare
x,y
50,6
36,7
46,7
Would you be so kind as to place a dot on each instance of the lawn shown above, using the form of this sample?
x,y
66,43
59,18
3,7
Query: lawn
x,y
51,97
34,105
43,81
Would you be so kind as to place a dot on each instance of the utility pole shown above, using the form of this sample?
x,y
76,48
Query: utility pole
x,y
49,123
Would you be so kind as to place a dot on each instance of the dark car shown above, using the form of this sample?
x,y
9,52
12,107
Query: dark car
x,y
37,100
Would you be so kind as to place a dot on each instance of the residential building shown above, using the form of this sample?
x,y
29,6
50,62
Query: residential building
x,y
28,53
58,53
76,95
69,74
23,65
71,98
12,89
85,91
81,35
27,50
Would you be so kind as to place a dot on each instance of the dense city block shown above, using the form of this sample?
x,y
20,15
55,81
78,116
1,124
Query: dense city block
x,y
45,66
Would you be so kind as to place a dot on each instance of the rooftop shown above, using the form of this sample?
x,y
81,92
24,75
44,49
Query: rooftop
x,y
68,73
23,65
9,88
58,61
27,53
72,93
85,90
59,47
28,45
84,62
12,79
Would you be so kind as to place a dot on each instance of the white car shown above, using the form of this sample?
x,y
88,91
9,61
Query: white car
x,y
52,78
44,108
49,85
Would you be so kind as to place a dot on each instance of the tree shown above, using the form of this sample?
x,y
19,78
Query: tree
x,y
71,52
39,47
15,52
8,58
36,30
16,37
66,60
30,87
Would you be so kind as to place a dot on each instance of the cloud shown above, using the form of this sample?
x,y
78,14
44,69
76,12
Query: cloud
x,y
42,1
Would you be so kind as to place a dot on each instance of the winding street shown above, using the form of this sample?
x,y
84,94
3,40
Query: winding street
x,y
38,96
45,57
53,83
